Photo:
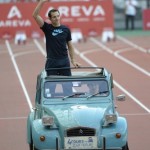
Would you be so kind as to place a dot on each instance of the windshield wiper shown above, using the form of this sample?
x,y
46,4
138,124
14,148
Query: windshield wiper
x,y
92,95
73,95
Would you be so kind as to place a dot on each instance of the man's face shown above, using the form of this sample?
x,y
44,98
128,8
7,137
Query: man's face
x,y
55,18
94,88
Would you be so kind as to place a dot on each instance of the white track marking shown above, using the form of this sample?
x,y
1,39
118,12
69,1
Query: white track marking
x,y
40,47
82,55
19,75
116,84
132,97
24,53
102,45
132,44
137,114
124,50
13,118
116,54
130,63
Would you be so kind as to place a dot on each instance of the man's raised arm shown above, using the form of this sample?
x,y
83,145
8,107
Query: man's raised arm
x,y
36,12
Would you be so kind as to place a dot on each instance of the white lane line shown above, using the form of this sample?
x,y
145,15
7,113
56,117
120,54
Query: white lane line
x,y
123,50
19,75
24,53
132,44
13,118
40,47
116,84
116,54
102,45
137,114
82,55
131,63
132,97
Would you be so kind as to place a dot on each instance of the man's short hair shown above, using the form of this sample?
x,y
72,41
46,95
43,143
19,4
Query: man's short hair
x,y
51,11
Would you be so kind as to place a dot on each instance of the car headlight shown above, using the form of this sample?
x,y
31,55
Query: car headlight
x,y
47,120
110,118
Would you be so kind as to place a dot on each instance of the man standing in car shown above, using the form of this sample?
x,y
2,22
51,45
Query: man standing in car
x,y
58,42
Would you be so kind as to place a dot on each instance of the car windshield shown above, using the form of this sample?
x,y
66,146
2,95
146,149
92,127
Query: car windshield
x,y
75,89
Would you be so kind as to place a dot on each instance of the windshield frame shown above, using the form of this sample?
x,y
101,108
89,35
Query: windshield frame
x,y
77,82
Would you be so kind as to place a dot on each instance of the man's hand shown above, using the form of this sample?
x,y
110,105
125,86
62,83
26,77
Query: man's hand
x,y
77,65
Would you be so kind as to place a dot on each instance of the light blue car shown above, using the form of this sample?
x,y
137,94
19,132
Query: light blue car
x,y
76,112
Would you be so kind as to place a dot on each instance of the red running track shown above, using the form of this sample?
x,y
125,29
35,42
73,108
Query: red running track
x,y
127,58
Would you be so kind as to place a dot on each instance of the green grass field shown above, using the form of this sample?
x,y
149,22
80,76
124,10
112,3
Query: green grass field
x,y
133,32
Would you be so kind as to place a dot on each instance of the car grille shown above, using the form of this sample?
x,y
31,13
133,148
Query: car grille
x,y
80,131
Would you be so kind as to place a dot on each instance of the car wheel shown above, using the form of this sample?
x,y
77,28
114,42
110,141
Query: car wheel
x,y
35,148
125,147
31,146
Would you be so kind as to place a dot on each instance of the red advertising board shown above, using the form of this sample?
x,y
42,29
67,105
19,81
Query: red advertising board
x,y
90,17
146,19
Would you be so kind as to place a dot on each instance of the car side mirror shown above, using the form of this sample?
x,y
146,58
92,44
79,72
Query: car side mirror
x,y
121,97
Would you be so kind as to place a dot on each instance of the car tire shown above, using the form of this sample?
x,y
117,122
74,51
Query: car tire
x,y
30,147
35,148
125,147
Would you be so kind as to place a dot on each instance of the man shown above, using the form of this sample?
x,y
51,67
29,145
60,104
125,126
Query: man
x,y
58,42
130,13
93,88
98,88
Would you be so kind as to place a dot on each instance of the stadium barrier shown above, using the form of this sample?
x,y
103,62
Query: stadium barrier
x,y
88,16
146,19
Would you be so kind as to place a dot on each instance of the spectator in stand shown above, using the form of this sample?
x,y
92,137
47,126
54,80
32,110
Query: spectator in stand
x,y
130,13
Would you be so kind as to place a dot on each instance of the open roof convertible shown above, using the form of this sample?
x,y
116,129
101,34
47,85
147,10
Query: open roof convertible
x,y
76,112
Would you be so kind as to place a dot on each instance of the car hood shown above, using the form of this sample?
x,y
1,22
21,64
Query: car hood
x,y
78,115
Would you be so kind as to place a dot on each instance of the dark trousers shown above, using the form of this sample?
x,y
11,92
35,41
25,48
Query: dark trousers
x,y
59,63
129,19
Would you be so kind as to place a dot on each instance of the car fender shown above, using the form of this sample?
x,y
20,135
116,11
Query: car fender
x,y
50,135
110,131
